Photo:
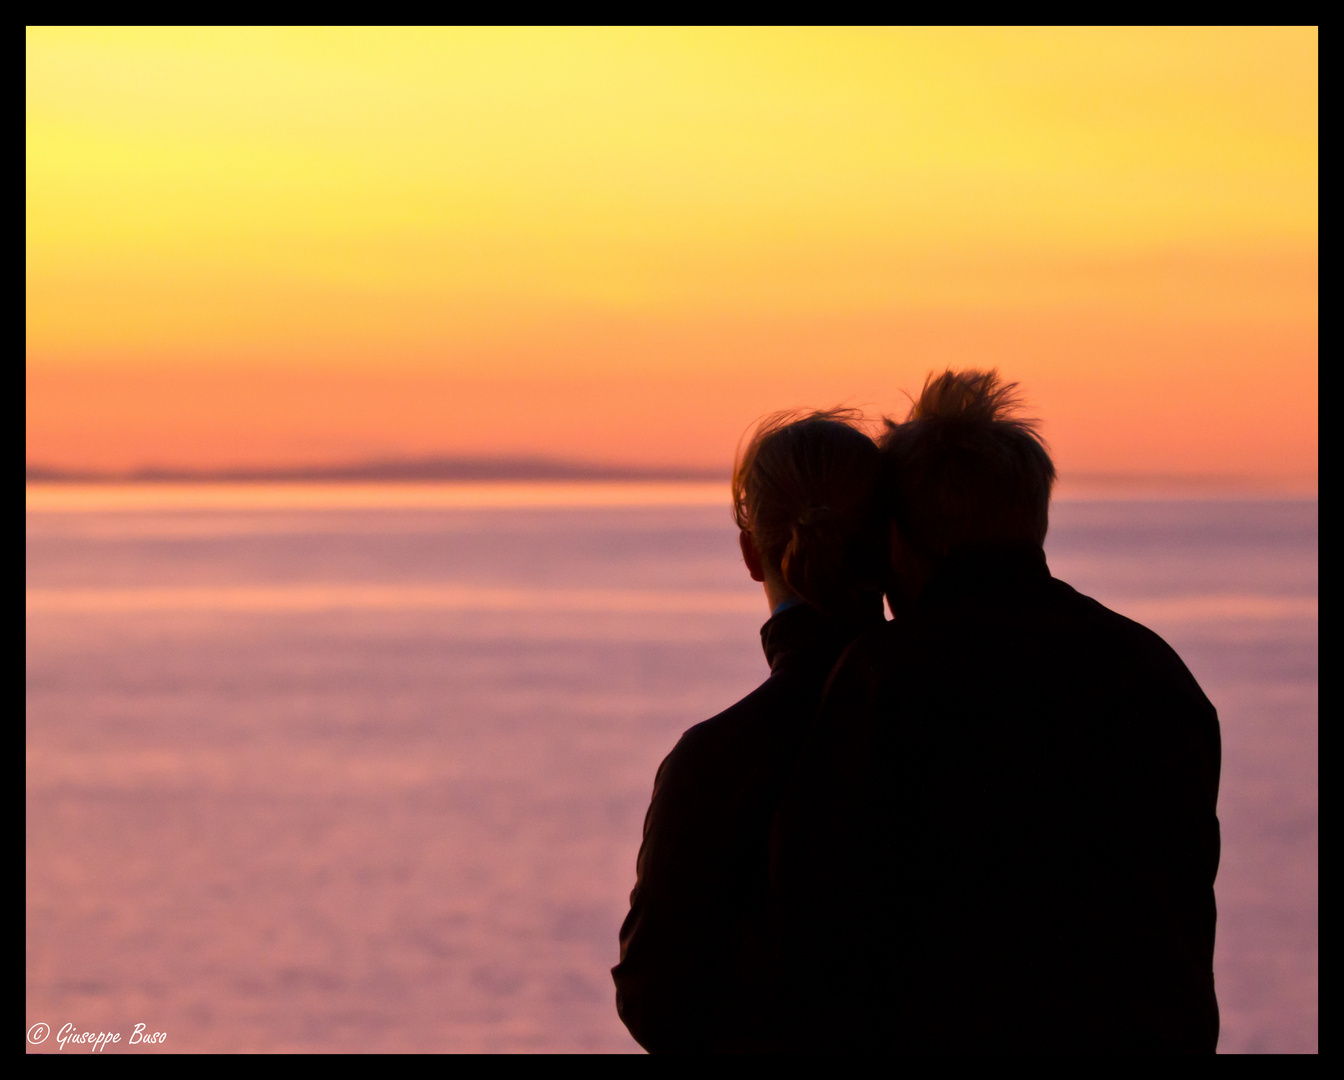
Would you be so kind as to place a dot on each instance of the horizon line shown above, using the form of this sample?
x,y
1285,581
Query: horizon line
x,y
482,469
440,468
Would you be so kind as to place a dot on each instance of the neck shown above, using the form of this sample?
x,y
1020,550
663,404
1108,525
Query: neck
x,y
776,592
986,570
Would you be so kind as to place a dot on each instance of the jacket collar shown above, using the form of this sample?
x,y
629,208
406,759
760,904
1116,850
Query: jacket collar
x,y
992,571
801,631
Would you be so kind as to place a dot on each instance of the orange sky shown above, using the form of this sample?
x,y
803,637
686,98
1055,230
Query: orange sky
x,y
282,246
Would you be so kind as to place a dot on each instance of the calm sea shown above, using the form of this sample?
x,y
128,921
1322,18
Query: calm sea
x,y
365,768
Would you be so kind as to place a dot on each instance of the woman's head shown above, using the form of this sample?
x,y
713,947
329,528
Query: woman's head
x,y
806,490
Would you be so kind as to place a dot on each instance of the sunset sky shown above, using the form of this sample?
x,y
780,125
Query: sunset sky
x,y
254,247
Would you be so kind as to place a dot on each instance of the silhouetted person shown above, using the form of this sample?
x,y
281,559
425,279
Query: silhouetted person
x,y
1001,836
696,970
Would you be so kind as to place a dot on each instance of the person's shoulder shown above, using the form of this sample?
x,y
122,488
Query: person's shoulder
x,y
720,762
1122,641
711,744
1091,616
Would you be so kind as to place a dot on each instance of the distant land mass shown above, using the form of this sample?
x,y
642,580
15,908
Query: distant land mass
x,y
392,469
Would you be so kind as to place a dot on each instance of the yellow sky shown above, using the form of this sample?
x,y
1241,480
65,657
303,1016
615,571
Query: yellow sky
x,y
251,246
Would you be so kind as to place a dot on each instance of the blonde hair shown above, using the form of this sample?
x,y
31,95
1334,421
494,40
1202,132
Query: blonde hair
x,y
964,470
806,488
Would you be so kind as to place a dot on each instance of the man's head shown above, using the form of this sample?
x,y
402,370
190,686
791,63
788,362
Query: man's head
x,y
964,471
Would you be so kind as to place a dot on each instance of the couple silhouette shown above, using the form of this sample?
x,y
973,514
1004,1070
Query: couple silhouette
x,y
986,825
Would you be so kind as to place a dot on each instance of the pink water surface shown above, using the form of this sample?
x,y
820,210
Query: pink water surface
x,y
404,817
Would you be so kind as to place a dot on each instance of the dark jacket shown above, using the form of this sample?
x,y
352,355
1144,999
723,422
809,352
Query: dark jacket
x,y
695,972
1001,836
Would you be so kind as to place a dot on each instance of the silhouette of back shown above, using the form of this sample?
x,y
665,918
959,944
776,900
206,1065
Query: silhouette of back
x,y
696,972
1001,835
